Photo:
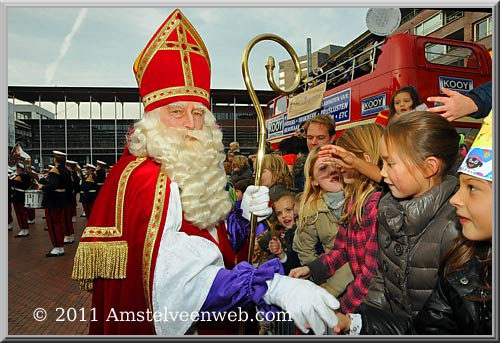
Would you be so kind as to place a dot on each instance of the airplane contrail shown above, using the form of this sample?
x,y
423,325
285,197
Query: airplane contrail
x,y
49,73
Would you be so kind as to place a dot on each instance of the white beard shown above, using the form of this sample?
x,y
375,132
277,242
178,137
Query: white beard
x,y
192,159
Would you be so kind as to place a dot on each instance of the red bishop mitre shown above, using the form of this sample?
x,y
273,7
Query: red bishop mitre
x,y
174,65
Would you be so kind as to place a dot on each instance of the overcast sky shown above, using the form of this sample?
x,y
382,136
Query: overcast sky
x,y
96,47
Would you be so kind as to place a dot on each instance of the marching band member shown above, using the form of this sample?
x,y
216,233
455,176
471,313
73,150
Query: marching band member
x,y
19,184
11,174
34,185
88,189
55,202
71,192
100,173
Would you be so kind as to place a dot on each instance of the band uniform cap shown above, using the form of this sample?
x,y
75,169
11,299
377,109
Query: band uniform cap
x,y
90,165
479,159
58,153
71,162
101,163
174,65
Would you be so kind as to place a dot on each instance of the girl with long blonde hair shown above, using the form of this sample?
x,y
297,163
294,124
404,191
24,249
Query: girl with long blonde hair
x,y
320,209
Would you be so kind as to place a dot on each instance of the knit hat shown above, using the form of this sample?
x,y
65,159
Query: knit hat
x,y
174,65
479,159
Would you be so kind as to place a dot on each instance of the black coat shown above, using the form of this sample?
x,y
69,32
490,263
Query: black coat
x,y
18,185
74,188
55,195
242,174
448,311
413,235
88,189
292,260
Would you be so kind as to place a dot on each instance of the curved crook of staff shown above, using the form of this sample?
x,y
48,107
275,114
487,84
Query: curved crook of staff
x,y
260,114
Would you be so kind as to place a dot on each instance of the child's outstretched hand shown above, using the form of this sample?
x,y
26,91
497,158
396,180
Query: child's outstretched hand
x,y
334,153
344,324
301,272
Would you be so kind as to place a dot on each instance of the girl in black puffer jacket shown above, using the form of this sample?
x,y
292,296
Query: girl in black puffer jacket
x,y
459,305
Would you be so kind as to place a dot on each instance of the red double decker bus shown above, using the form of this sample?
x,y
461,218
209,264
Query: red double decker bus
x,y
359,88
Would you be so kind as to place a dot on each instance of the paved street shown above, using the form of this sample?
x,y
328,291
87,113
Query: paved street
x,y
38,282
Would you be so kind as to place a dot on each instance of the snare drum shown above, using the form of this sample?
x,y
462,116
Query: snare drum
x,y
33,198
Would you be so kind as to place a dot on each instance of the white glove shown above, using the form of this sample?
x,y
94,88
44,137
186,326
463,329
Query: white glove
x,y
256,200
304,301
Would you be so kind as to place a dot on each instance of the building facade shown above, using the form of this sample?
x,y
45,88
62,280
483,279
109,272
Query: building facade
x,y
90,136
464,25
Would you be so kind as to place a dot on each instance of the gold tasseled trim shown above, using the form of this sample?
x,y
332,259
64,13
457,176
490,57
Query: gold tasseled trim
x,y
106,260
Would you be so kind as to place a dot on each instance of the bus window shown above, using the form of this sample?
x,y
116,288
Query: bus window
x,y
450,55
281,105
270,109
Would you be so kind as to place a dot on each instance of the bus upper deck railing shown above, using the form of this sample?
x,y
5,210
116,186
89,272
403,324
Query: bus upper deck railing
x,y
348,70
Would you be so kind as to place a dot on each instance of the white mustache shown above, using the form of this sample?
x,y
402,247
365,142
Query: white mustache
x,y
190,135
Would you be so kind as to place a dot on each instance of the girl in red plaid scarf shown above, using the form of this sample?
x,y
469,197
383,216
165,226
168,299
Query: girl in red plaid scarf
x,y
356,242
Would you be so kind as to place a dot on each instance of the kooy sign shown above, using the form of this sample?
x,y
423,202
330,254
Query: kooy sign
x,y
373,104
456,84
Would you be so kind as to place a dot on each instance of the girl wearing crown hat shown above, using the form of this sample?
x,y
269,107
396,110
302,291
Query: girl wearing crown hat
x,y
164,250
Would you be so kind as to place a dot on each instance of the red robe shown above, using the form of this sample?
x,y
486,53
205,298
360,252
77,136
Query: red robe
x,y
116,257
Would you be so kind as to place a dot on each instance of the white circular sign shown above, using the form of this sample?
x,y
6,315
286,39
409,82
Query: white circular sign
x,y
383,21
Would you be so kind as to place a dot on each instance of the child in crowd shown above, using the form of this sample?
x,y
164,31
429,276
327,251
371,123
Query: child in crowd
x,y
416,222
241,186
241,169
276,176
277,242
461,303
405,99
320,210
228,163
356,242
